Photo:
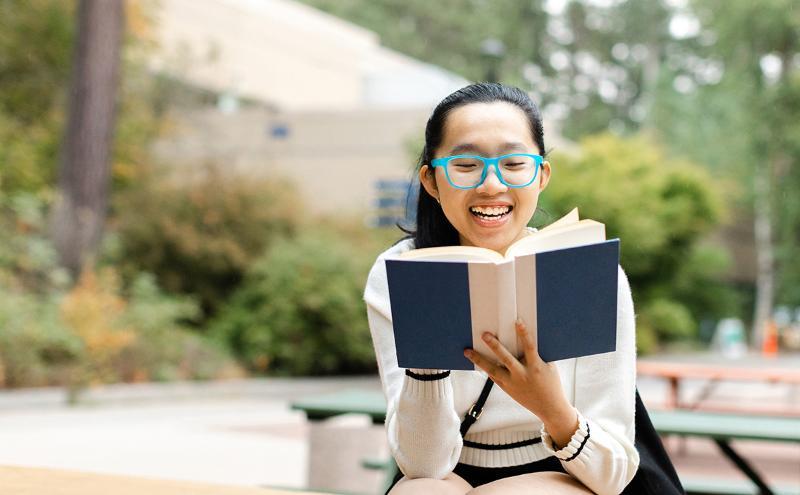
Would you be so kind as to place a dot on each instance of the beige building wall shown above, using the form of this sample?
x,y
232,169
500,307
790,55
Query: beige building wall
x,y
334,158
269,50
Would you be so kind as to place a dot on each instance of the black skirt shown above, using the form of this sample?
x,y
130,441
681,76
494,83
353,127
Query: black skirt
x,y
477,476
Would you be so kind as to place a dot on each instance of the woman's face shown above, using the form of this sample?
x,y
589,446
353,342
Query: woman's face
x,y
488,130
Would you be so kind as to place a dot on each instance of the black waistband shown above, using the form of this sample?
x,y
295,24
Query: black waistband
x,y
505,446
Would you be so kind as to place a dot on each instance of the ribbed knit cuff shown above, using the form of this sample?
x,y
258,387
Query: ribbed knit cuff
x,y
436,387
426,374
575,446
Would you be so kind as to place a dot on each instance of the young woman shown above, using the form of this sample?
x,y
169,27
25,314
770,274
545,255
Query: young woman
x,y
562,427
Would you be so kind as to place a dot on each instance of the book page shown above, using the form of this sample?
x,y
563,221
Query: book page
x,y
579,234
453,253
507,307
492,305
568,219
525,282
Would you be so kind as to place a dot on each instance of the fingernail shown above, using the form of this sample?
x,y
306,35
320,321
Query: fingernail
x,y
519,321
467,353
487,337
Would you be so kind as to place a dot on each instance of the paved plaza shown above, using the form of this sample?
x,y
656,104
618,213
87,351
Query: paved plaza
x,y
242,432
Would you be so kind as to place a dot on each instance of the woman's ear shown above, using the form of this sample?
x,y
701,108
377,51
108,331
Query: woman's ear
x,y
544,178
428,180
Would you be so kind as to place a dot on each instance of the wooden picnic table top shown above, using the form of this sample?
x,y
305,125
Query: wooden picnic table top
x,y
673,369
38,481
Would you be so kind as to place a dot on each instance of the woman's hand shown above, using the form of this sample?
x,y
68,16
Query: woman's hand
x,y
531,382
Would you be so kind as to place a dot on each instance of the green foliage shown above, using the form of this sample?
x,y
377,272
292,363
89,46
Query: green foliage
x,y
36,48
97,331
300,310
35,345
200,237
28,261
660,207
164,349
670,319
743,123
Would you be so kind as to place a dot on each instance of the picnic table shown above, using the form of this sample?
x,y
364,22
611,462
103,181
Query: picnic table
x,y
722,428
714,374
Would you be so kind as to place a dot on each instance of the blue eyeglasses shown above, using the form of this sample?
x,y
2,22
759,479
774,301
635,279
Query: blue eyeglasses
x,y
469,171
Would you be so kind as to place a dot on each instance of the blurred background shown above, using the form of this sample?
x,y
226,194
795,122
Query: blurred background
x,y
196,190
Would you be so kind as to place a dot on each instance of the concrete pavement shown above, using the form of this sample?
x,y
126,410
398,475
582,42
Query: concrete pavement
x,y
242,432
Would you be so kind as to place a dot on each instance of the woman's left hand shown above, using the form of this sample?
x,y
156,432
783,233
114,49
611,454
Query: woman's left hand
x,y
531,382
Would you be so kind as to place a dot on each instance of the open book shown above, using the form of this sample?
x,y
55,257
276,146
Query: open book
x,y
561,280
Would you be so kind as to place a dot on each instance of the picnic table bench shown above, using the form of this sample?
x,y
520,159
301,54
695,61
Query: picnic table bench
x,y
722,428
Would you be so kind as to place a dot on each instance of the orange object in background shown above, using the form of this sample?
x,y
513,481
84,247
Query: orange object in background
x,y
769,348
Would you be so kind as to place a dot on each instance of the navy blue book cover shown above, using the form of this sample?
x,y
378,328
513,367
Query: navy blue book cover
x,y
430,313
576,292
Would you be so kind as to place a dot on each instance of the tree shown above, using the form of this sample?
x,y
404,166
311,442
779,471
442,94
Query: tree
x,y
80,211
744,126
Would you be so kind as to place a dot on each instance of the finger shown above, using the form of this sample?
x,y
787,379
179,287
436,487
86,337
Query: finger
x,y
529,347
499,350
494,370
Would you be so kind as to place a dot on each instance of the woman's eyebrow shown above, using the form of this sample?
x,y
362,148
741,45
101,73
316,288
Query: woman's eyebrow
x,y
471,148
465,147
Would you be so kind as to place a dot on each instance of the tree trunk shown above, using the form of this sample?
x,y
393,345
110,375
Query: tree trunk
x,y
80,208
765,262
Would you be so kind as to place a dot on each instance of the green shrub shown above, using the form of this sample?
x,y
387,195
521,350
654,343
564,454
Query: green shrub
x,y
96,331
28,261
164,349
670,320
135,334
200,237
300,310
36,348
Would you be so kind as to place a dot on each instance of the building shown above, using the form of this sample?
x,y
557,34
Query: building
x,y
301,94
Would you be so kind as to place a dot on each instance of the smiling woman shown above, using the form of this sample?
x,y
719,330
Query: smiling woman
x,y
487,209
560,427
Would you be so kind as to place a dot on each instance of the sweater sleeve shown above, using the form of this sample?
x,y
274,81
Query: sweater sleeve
x,y
421,422
601,453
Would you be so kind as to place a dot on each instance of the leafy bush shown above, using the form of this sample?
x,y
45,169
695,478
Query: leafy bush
x,y
28,261
199,238
93,311
662,208
36,348
300,310
97,331
164,349
135,335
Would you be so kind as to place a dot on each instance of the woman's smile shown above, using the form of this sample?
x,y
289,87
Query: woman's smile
x,y
491,215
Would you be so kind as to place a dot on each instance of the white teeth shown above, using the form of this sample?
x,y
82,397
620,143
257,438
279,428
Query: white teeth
x,y
490,210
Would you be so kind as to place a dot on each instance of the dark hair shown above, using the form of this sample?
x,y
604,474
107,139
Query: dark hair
x,y
433,228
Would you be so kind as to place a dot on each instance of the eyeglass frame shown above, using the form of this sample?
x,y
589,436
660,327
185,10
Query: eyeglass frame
x,y
488,162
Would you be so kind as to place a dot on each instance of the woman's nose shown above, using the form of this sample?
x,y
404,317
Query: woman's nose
x,y
491,185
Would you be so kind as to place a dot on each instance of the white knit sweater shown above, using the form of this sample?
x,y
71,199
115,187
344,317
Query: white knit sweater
x,y
423,417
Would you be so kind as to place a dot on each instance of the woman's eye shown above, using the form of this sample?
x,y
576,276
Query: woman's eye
x,y
466,166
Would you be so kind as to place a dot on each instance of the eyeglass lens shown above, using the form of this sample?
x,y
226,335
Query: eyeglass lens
x,y
516,170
